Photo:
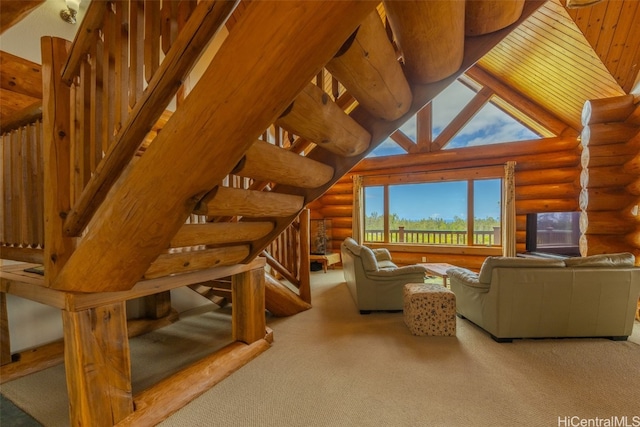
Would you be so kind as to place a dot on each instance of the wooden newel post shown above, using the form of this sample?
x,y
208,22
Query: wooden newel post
x,y
248,318
97,365
56,123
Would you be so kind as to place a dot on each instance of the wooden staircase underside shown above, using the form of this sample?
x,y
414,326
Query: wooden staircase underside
x,y
121,230
259,76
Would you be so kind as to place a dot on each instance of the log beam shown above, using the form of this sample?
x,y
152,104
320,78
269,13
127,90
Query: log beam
x,y
431,36
225,201
220,233
160,401
605,176
614,109
487,16
314,116
607,133
604,222
368,67
14,11
183,262
266,162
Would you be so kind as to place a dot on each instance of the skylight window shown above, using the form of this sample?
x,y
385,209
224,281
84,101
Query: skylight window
x,y
491,125
449,104
494,122
389,147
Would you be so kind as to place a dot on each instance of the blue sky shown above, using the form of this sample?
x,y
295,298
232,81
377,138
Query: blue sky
x,y
490,125
436,200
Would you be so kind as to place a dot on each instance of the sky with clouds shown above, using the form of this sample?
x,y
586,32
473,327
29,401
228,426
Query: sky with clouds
x,y
490,125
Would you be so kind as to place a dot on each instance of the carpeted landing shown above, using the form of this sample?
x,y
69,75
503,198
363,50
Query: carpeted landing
x,y
331,366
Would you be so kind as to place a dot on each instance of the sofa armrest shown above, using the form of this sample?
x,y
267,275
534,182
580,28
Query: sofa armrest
x,y
382,254
466,277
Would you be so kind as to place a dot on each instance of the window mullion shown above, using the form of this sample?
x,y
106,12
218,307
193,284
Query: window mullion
x,y
386,214
470,212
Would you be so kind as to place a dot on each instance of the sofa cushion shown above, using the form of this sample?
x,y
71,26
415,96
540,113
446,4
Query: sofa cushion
x,y
624,259
386,265
382,254
467,277
368,259
352,245
492,262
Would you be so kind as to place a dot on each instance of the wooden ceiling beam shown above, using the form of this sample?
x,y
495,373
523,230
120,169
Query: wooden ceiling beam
x,y
20,75
519,101
12,12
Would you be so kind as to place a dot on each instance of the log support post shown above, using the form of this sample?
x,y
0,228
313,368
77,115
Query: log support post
x,y
97,365
248,318
5,342
158,305
305,237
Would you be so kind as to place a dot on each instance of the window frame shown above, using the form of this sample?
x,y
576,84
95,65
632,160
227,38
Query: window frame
x,y
469,174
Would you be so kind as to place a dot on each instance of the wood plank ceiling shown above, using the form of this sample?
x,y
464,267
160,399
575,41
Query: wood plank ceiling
x,y
20,87
559,58
549,61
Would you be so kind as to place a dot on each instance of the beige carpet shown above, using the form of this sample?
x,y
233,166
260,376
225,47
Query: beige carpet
x,y
330,366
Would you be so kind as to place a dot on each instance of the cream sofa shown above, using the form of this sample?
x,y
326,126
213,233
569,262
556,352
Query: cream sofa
x,y
375,282
510,298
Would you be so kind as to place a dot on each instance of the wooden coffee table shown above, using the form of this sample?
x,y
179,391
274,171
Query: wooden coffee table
x,y
437,269
326,260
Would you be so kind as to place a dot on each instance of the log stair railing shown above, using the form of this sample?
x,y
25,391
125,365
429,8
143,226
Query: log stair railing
x,y
125,218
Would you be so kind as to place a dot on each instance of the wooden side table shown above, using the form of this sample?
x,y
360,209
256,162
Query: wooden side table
x,y
326,260
437,269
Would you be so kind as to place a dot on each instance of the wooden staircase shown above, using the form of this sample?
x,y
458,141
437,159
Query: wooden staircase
x,y
133,207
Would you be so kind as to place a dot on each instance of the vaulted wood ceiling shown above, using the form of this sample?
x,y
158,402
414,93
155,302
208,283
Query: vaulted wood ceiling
x,y
559,58
560,63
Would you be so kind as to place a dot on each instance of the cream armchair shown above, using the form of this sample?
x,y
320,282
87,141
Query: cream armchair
x,y
375,282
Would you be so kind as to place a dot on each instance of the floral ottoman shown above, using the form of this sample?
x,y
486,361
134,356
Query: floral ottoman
x,y
429,309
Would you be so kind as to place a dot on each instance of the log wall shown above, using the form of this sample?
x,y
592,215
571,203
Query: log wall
x,y
610,177
547,179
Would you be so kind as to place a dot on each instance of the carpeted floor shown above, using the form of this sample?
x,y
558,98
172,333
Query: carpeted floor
x,y
331,366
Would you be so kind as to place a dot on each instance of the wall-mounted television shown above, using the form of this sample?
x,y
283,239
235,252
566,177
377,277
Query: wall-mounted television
x,y
553,233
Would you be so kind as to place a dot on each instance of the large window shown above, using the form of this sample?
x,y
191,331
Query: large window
x,y
450,212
